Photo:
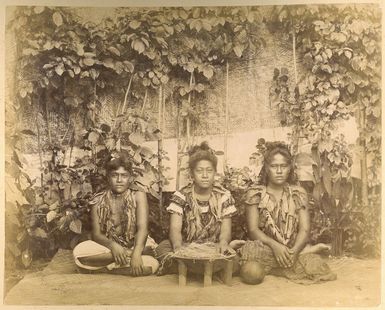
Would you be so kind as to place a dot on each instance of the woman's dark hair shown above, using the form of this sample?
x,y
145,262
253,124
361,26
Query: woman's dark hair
x,y
121,160
201,152
273,149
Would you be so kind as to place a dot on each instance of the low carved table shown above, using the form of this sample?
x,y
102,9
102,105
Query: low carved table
x,y
210,266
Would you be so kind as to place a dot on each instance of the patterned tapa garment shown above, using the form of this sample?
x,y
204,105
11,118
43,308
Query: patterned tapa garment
x,y
278,219
198,226
103,202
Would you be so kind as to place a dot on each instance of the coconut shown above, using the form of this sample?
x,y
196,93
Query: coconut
x,y
252,272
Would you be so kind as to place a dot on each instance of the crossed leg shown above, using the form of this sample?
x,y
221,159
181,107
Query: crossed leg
x,y
90,255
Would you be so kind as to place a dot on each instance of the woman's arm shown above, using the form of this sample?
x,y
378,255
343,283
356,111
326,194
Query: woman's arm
x,y
119,253
141,221
303,231
254,233
175,233
225,235
141,233
281,252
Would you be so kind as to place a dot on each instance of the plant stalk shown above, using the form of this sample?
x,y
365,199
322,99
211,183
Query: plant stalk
x,y
160,151
298,130
178,149
40,155
226,116
127,92
364,160
188,121
144,102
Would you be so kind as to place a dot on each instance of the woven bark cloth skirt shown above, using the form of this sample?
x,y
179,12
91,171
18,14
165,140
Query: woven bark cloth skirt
x,y
91,248
309,268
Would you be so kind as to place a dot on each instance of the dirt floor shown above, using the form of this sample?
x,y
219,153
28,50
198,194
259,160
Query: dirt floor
x,y
358,285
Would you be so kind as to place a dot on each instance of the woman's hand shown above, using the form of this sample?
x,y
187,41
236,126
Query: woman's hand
x,y
236,244
294,255
176,247
283,255
120,254
224,248
136,263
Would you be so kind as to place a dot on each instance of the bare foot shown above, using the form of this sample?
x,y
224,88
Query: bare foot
x,y
317,248
126,271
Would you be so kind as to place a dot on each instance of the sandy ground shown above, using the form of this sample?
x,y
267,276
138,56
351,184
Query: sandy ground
x,y
358,285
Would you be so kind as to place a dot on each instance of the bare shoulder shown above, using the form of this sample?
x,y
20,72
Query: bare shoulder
x,y
140,197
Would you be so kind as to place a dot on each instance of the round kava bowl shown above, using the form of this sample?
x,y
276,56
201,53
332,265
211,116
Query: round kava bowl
x,y
252,273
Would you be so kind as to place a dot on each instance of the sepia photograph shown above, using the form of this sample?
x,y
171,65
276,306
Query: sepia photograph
x,y
201,155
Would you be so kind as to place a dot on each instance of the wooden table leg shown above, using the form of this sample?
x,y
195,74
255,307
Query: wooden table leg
x,y
208,274
228,272
182,271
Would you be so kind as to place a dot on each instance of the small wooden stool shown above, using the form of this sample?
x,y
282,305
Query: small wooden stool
x,y
227,272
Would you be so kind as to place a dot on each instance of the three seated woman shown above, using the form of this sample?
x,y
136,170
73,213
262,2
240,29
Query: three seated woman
x,y
277,218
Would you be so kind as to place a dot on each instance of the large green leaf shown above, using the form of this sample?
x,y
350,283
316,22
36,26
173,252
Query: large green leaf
x,y
348,54
55,205
76,226
196,24
59,69
238,50
114,50
28,132
94,74
134,24
71,73
93,137
138,45
38,9
51,215
208,72
137,138
57,19
23,92
359,63
89,55
326,178
146,153
338,37
39,233
89,61
129,66
76,70
48,45
206,25
109,63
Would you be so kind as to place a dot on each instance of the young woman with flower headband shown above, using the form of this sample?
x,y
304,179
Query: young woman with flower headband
x,y
119,227
278,223
200,212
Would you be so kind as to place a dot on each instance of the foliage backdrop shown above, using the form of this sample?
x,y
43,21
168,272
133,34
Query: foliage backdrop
x,y
65,66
